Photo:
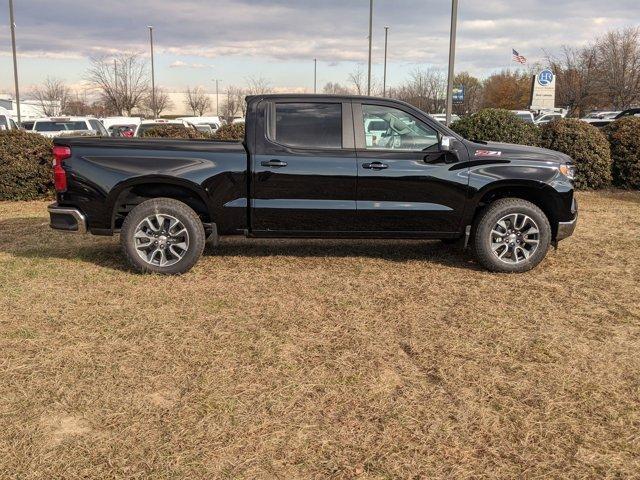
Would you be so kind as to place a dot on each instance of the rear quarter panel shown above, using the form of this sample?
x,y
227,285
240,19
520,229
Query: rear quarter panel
x,y
99,171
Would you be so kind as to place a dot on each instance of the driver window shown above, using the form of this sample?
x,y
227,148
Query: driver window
x,y
388,128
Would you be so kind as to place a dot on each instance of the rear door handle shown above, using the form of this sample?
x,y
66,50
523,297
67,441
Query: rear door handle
x,y
273,163
375,166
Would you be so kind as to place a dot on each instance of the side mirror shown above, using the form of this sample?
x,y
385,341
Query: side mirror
x,y
446,143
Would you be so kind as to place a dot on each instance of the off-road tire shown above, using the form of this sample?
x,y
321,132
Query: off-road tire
x,y
485,223
173,208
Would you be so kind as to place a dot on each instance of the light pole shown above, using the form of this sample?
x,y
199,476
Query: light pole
x,y
153,73
370,45
217,97
452,59
15,59
384,77
315,75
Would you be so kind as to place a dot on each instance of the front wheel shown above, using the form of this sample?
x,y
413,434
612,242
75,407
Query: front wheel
x,y
511,235
162,235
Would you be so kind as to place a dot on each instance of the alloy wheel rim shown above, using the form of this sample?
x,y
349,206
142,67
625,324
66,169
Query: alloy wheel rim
x,y
515,238
161,240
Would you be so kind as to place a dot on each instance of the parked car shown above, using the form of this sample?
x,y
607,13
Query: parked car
x,y
525,115
606,120
110,121
69,126
442,117
545,118
126,131
7,123
146,125
305,169
599,115
213,122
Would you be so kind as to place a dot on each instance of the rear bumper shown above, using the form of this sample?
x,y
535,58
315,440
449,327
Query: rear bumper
x,y
566,229
67,219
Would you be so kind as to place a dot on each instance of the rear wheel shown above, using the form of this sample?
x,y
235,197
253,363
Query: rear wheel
x,y
511,235
162,235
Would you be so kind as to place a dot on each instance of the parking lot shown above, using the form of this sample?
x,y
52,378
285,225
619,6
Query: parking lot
x,y
320,359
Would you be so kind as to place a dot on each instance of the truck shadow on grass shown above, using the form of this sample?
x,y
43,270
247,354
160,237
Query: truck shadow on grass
x,y
32,238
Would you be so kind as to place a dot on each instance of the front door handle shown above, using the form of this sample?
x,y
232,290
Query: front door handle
x,y
273,163
375,166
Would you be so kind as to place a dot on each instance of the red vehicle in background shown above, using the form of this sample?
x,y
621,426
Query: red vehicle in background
x,y
119,131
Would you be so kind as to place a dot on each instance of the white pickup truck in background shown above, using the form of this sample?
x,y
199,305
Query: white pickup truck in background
x,y
69,126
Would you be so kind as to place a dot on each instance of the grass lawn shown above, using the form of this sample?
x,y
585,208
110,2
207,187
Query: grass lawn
x,y
320,359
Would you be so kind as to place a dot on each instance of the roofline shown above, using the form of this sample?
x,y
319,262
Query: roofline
x,y
317,95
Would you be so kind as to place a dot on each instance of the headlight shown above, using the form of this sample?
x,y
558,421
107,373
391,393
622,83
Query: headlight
x,y
568,170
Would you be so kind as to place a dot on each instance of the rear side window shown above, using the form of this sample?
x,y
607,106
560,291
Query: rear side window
x,y
51,126
3,123
308,125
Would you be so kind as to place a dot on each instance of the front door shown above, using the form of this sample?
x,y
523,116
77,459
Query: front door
x,y
304,170
405,183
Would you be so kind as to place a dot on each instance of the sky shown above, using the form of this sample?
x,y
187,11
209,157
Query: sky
x,y
232,40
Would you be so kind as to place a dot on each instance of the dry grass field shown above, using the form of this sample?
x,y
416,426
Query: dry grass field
x,y
320,359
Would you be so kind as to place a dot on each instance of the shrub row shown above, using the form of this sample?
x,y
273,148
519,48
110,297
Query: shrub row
x,y
602,157
226,132
25,166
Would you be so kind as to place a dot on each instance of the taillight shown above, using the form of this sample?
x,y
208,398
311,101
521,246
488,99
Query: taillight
x,y
59,174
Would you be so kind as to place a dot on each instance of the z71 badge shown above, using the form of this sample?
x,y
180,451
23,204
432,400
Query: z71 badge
x,y
488,153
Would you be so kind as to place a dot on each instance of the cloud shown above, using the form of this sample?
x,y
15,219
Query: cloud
x,y
333,31
181,64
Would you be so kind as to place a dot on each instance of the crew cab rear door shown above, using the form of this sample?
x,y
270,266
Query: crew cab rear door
x,y
406,184
304,167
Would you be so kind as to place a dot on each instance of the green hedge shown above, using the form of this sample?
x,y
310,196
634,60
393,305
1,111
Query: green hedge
x,y
624,138
495,125
588,147
172,131
25,166
230,132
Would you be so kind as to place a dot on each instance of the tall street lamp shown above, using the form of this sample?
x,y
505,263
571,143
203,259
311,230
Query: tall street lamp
x,y
384,77
217,96
153,73
370,45
315,75
15,59
452,59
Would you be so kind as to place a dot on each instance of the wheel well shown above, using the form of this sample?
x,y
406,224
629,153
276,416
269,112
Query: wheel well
x,y
537,196
132,196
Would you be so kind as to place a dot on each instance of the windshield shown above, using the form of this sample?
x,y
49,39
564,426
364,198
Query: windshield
x,y
60,126
524,116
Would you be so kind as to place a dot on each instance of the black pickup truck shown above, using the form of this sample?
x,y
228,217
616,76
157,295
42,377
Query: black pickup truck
x,y
316,166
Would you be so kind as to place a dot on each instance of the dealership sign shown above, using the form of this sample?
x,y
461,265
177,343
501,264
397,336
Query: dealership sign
x,y
458,95
543,93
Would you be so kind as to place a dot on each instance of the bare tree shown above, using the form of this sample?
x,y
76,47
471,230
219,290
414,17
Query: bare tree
x,y
358,80
425,89
472,93
162,102
618,66
121,81
335,89
575,69
258,86
232,104
197,100
52,97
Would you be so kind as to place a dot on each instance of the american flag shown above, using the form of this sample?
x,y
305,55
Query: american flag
x,y
518,58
